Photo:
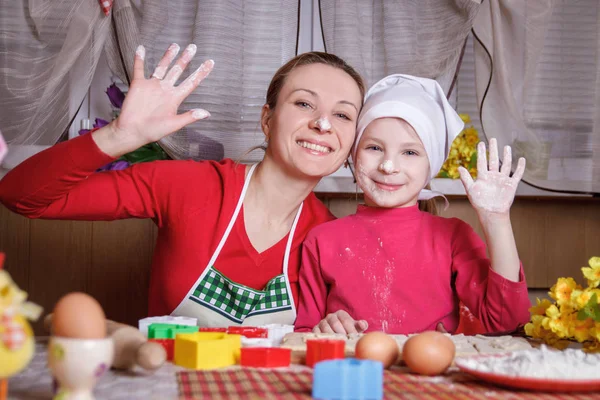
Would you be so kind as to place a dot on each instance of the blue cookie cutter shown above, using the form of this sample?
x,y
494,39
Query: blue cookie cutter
x,y
348,379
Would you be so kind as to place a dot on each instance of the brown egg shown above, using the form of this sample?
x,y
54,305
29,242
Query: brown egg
x,y
377,346
428,353
78,315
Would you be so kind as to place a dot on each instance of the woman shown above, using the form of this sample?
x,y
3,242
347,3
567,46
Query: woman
x,y
227,251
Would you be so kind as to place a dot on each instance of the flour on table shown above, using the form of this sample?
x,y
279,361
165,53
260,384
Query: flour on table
x,y
542,363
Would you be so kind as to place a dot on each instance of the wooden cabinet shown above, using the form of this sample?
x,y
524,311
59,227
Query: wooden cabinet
x,y
111,260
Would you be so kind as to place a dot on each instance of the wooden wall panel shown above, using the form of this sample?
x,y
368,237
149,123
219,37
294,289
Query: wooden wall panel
x,y
14,242
120,269
60,257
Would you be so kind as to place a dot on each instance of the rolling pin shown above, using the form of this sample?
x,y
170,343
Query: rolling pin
x,y
131,346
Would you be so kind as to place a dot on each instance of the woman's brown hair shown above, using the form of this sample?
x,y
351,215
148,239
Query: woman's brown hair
x,y
313,57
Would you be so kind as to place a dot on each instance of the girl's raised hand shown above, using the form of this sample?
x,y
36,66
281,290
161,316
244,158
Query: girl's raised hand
x,y
340,322
494,190
149,112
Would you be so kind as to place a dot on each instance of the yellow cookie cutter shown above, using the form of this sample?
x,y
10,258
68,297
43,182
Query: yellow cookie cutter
x,y
207,350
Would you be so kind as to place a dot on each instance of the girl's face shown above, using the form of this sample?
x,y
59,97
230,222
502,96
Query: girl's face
x,y
312,128
391,164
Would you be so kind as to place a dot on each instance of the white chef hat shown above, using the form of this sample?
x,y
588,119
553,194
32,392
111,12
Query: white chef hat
x,y
422,103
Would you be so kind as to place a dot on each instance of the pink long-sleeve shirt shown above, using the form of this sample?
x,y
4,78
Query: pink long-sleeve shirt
x,y
404,271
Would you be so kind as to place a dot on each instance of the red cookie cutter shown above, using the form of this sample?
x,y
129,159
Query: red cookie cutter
x,y
265,357
224,330
323,349
248,331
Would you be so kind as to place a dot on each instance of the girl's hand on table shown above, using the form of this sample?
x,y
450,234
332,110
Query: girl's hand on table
x,y
494,190
341,322
149,112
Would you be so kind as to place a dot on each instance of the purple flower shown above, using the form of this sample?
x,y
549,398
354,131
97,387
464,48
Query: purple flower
x,y
99,123
115,96
118,165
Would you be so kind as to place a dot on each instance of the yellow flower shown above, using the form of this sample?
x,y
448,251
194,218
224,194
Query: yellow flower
x,y
472,140
556,342
579,298
540,307
561,291
591,347
595,331
580,330
592,273
557,322
465,118
552,311
453,172
535,327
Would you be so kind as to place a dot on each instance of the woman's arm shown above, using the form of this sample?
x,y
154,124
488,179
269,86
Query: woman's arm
x,y
61,182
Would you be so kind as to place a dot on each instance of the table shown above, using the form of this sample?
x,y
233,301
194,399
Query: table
x,y
35,382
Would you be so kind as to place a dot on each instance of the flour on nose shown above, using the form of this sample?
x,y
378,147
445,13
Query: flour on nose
x,y
387,166
323,124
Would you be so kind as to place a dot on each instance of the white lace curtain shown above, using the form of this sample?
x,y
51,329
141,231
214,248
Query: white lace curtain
x,y
48,53
249,40
538,81
382,37
49,50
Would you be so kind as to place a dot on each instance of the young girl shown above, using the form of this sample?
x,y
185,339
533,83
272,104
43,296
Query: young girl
x,y
394,268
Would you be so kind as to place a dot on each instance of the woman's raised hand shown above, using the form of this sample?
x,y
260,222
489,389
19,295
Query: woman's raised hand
x,y
149,112
494,190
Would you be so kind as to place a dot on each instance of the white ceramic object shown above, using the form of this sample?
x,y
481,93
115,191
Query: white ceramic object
x,y
277,332
77,364
144,323
256,342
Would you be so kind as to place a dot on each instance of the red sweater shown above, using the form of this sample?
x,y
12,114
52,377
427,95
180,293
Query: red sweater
x,y
191,203
404,271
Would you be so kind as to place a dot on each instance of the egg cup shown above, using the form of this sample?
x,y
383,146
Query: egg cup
x,y
77,364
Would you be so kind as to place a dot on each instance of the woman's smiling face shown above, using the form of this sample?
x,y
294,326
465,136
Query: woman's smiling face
x,y
392,166
312,128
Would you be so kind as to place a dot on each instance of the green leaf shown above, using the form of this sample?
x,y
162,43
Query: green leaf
x,y
443,174
473,161
590,310
149,152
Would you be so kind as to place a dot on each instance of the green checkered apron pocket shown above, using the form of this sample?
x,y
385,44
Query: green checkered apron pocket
x,y
236,302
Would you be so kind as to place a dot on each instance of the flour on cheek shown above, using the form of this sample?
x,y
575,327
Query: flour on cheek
x,y
369,187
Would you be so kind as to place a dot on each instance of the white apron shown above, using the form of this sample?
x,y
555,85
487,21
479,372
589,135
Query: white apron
x,y
216,301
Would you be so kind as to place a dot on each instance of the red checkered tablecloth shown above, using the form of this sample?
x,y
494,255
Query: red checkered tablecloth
x,y
267,384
